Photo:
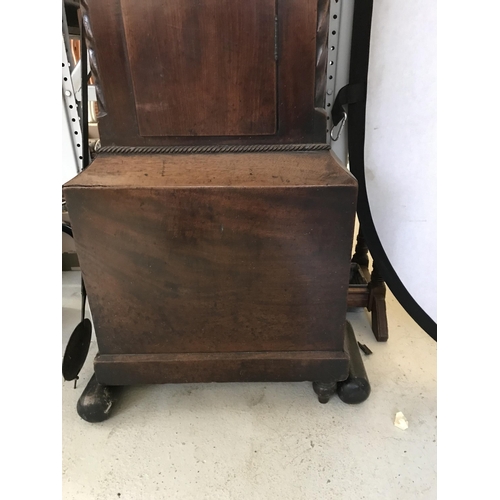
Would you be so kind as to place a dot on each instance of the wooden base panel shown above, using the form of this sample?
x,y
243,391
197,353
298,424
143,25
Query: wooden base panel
x,y
341,372
130,369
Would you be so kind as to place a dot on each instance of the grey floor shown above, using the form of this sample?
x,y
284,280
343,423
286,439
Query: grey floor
x,y
261,441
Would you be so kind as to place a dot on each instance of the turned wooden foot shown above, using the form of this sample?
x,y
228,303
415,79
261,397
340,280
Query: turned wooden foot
x,y
360,251
324,390
356,388
96,401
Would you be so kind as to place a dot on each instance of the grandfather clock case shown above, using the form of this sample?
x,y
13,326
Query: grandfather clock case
x,y
214,227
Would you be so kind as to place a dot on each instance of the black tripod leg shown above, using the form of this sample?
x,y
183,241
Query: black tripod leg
x,y
356,388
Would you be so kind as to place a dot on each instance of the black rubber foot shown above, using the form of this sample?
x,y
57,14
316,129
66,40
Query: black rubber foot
x,y
96,401
356,388
324,390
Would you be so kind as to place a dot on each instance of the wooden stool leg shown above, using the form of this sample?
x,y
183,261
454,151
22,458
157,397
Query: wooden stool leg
x,y
360,251
376,305
376,286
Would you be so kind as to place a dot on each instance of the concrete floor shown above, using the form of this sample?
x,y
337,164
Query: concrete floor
x,y
261,441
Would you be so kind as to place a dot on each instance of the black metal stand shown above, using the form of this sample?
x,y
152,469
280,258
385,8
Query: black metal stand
x,y
96,401
356,388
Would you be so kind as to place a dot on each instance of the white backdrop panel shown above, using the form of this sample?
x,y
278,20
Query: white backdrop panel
x,y
400,144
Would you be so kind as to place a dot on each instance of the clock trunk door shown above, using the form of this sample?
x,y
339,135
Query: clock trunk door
x,y
202,67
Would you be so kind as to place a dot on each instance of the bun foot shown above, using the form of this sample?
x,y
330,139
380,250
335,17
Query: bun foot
x,y
96,401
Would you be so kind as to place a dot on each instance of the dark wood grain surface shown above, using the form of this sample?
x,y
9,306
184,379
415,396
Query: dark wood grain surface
x,y
224,170
172,267
322,33
129,369
94,66
132,50
202,68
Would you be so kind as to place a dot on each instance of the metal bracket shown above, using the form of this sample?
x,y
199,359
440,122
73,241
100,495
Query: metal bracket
x,y
70,111
342,123
331,72
340,35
